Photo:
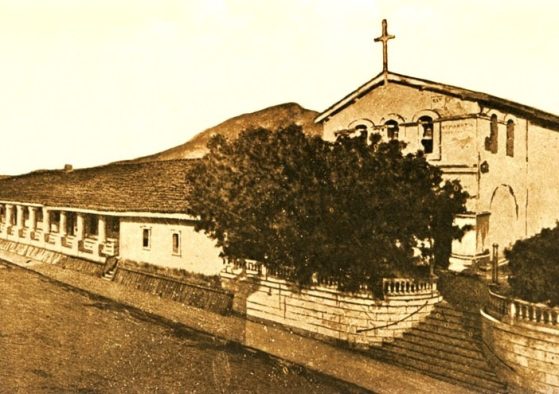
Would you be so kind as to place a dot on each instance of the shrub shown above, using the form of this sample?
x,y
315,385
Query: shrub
x,y
534,265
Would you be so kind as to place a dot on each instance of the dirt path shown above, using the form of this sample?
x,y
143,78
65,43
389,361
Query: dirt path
x,y
54,338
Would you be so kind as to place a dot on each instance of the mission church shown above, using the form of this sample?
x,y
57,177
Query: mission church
x,y
501,152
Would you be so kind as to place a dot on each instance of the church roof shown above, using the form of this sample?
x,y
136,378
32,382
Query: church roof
x,y
158,187
532,114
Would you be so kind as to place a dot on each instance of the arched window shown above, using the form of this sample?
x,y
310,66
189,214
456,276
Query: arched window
x,y
360,128
426,130
491,142
392,129
510,138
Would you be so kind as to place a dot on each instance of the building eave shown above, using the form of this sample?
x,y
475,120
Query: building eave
x,y
485,100
107,212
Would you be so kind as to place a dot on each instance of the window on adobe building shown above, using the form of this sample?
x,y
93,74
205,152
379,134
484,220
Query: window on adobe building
x,y
510,138
491,142
176,239
392,129
426,129
146,238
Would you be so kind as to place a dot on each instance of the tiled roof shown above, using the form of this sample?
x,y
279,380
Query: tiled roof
x,y
137,187
543,118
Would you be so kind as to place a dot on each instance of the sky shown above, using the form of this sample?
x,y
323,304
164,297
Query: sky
x,y
87,82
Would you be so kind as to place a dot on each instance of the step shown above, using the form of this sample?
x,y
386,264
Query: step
x,y
485,384
452,323
449,310
460,334
444,315
444,356
471,352
443,340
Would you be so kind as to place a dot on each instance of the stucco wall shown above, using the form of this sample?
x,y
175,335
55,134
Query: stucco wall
x,y
543,182
197,252
406,102
526,355
329,314
406,105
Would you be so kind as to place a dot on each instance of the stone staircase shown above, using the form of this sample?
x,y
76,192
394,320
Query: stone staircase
x,y
110,269
109,275
446,346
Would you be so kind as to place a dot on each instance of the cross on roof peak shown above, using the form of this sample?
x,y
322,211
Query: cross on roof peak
x,y
384,39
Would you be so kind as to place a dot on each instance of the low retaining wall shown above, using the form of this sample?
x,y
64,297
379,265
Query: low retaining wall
x,y
522,341
326,313
215,300
50,257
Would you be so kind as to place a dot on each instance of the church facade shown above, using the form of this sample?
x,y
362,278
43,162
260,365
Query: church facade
x,y
502,153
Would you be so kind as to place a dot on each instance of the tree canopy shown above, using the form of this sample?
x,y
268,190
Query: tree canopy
x,y
534,266
354,210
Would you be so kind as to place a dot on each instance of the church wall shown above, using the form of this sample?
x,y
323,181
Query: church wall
x,y
197,253
398,102
455,134
543,182
503,186
454,139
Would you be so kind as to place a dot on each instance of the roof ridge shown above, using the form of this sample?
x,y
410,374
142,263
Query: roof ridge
x,y
530,112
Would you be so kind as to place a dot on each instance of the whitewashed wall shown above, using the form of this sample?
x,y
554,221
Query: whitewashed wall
x,y
197,253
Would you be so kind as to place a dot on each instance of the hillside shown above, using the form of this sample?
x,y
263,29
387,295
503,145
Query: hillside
x,y
270,118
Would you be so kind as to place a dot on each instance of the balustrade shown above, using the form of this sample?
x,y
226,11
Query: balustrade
x,y
391,287
405,286
522,311
110,247
89,244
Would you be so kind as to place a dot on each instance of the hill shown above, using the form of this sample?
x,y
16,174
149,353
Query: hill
x,y
270,118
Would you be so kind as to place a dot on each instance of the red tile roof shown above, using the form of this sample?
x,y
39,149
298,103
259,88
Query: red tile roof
x,y
134,187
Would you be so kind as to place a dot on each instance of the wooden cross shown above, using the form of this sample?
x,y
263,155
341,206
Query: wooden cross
x,y
384,38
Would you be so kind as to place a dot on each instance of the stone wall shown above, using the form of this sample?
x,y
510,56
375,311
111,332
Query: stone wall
x,y
324,312
51,257
522,342
204,297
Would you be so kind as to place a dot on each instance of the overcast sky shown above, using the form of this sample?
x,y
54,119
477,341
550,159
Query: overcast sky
x,y
92,81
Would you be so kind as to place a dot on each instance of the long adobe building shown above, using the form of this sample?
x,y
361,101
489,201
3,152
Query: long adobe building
x,y
132,211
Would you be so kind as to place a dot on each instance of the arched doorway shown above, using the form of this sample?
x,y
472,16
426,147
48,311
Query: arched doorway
x,y
503,219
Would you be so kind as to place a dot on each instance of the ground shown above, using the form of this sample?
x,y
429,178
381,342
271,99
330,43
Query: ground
x,y
55,338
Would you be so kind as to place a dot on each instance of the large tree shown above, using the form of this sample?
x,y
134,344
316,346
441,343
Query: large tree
x,y
354,210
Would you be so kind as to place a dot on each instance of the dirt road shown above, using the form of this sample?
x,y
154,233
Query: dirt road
x,y
54,338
